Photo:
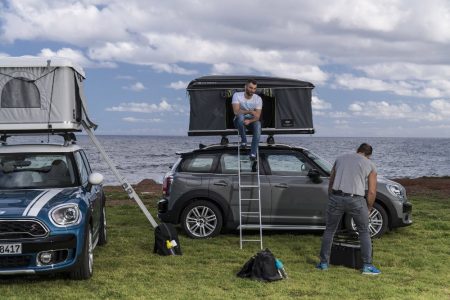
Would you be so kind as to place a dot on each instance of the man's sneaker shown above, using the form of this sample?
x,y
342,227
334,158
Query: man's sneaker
x,y
243,145
370,270
322,266
252,157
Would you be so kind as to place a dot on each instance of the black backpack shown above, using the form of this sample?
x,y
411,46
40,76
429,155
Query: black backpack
x,y
261,267
166,240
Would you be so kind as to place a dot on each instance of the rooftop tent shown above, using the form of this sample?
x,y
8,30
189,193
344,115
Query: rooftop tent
x,y
286,105
40,95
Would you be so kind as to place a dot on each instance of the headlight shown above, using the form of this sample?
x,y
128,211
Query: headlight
x,y
65,215
396,190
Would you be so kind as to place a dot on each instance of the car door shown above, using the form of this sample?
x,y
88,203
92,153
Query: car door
x,y
296,200
93,193
225,182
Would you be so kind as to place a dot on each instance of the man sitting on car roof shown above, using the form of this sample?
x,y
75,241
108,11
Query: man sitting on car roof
x,y
247,107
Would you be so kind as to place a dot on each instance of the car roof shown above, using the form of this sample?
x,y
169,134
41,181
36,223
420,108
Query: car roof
x,y
233,146
39,148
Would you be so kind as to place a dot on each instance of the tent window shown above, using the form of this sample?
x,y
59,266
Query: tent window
x,y
267,114
20,93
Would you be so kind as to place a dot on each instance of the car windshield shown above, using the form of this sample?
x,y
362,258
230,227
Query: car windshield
x,y
324,164
36,170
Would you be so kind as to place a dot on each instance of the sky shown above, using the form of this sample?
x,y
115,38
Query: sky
x,y
380,68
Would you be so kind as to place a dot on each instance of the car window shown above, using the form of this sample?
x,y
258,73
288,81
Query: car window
x,y
86,162
288,164
36,170
201,163
81,168
229,164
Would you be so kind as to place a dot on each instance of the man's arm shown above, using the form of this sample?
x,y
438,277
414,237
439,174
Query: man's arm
x,y
256,115
331,181
237,110
372,189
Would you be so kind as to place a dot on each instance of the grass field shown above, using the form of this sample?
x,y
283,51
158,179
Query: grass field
x,y
415,262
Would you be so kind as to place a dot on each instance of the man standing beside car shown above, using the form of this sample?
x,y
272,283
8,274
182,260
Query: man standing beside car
x,y
247,107
346,195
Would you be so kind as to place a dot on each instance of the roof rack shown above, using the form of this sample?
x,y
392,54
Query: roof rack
x,y
69,137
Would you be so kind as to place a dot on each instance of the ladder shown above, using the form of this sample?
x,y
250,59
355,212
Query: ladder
x,y
247,183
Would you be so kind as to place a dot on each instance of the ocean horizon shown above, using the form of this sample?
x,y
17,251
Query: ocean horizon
x,y
139,157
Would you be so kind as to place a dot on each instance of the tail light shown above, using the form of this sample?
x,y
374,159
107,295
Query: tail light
x,y
167,182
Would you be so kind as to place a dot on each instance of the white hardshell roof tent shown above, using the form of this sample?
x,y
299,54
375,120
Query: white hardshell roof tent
x,y
41,95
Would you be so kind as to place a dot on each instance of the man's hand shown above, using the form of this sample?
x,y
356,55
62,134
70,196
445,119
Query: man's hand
x,y
247,121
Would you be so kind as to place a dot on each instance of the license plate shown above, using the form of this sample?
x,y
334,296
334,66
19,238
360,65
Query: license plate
x,y
10,249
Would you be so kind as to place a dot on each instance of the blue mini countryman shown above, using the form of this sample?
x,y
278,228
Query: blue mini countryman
x,y
52,210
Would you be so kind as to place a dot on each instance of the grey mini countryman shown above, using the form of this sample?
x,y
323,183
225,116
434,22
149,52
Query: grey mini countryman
x,y
201,192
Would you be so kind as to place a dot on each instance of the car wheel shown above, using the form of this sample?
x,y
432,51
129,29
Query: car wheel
x,y
102,237
378,221
201,219
85,268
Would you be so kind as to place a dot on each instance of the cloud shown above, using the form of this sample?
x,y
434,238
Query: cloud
x,y
437,110
172,68
137,120
142,107
319,104
178,85
76,56
136,87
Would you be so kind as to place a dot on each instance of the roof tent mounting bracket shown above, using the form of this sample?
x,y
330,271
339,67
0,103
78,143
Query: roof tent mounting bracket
x,y
123,182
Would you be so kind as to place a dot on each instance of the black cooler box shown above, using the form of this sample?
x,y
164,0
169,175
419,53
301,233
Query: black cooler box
x,y
346,251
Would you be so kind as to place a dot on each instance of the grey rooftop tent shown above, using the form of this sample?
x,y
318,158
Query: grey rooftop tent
x,y
41,95
286,105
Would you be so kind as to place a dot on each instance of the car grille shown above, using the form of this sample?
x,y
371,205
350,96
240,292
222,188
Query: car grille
x,y
14,261
21,229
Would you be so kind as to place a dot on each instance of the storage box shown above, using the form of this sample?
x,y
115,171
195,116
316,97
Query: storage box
x,y
346,254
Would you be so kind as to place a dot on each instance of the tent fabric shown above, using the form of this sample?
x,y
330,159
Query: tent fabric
x,y
287,105
41,97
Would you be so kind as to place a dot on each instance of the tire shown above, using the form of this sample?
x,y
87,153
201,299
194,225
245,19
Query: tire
x,y
201,219
102,235
85,267
378,221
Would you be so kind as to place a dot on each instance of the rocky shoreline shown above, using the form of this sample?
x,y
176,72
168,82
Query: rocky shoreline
x,y
414,186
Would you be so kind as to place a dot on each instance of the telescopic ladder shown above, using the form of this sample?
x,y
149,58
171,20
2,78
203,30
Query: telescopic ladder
x,y
123,181
251,187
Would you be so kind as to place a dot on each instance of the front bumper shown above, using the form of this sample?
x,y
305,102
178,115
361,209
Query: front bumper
x,y
63,246
404,217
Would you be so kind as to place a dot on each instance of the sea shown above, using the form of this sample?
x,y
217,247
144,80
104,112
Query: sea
x,y
150,157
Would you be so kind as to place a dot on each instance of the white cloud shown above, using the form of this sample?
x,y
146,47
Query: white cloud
x,y
136,87
178,85
437,110
137,120
142,107
172,68
319,104
76,56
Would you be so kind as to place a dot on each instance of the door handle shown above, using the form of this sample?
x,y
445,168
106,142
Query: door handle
x,y
221,183
281,185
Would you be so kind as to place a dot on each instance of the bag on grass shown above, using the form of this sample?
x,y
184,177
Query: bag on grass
x,y
261,266
166,240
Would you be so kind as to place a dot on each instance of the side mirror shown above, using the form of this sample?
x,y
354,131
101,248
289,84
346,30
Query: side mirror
x,y
315,176
95,179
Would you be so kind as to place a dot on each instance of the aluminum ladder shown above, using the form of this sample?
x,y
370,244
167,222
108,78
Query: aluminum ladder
x,y
249,184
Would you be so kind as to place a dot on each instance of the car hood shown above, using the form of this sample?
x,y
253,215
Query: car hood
x,y
30,202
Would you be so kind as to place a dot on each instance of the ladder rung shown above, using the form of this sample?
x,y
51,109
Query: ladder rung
x,y
249,186
251,240
243,160
249,173
249,213
252,199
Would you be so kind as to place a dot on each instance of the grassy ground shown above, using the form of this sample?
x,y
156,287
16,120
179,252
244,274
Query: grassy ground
x,y
414,261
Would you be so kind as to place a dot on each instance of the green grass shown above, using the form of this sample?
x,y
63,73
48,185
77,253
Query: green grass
x,y
414,261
